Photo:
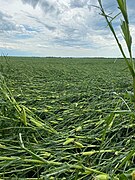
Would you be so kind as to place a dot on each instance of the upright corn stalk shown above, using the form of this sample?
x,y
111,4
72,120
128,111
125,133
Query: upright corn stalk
x,y
126,34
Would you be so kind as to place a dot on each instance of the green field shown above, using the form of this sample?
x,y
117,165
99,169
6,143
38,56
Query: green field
x,y
66,118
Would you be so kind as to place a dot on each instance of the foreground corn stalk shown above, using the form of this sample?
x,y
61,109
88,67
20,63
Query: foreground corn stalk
x,y
126,35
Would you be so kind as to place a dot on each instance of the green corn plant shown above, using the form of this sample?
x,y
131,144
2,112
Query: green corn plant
x,y
122,5
23,113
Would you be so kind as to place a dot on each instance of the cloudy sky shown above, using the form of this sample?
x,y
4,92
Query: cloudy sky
x,y
58,28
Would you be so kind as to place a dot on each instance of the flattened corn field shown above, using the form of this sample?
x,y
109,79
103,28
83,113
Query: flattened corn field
x,y
65,118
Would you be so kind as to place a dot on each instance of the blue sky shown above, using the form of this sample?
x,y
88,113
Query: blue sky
x,y
59,28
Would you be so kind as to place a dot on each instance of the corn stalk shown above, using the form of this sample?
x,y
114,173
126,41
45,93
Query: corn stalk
x,y
122,5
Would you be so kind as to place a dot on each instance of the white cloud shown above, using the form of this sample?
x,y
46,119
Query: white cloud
x,y
55,27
